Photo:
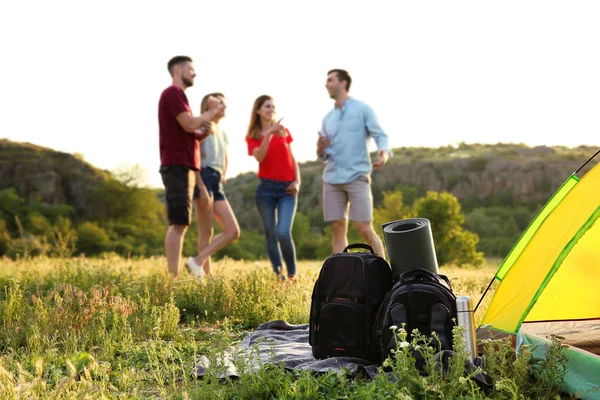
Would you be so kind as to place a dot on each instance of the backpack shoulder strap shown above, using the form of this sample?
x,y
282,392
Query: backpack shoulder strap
x,y
446,280
418,275
438,318
424,275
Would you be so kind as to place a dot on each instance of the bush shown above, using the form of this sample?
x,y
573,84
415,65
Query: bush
x,y
453,243
91,239
4,238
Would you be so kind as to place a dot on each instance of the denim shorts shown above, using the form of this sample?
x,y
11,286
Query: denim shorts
x,y
179,182
212,180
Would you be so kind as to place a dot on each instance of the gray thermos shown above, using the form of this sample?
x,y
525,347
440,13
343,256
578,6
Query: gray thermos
x,y
466,318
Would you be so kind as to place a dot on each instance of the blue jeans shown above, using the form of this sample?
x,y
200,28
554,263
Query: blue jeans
x,y
270,199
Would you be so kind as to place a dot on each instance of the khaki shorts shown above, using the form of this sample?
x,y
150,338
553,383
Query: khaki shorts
x,y
357,193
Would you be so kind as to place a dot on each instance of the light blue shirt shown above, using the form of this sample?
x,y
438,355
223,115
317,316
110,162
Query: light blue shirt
x,y
213,150
350,129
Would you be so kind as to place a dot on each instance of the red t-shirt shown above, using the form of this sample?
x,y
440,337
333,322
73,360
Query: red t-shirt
x,y
278,164
177,147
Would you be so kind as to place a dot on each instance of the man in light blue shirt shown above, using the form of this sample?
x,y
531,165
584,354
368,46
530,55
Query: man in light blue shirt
x,y
343,146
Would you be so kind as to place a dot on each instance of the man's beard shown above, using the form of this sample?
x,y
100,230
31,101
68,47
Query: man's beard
x,y
187,81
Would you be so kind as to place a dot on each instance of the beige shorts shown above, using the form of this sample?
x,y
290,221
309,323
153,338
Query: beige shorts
x,y
357,193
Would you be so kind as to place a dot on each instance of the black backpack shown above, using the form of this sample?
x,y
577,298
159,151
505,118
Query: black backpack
x,y
421,300
345,300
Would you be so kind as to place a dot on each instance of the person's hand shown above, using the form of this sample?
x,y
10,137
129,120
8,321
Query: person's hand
x,y
215,105
278,128
223,179
214,102
381,159
275,129
293,188
207,128
322,143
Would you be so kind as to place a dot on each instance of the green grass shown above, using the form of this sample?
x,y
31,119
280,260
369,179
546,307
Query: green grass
x,y
124,329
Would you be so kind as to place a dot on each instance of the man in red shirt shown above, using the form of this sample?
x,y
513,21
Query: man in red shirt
x,y
179,135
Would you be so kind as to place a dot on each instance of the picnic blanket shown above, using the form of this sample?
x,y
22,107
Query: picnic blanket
x,y
280,342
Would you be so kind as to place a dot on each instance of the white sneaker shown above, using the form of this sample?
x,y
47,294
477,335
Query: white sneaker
x,y
194,268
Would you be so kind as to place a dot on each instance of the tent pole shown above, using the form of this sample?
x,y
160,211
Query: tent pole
x,y
585,163
483,295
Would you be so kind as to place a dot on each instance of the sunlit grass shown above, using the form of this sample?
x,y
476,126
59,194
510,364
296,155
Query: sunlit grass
x,y
116,328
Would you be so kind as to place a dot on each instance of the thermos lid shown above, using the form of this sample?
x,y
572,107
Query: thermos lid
x,y
464,304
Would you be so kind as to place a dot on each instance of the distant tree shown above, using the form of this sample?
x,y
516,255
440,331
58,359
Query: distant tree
x,y
4,238
498,227
453,243
11,205
391,209
133,176
37,224
113,200
91,239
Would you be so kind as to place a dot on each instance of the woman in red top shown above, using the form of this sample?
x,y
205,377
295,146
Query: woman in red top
x,y
277,193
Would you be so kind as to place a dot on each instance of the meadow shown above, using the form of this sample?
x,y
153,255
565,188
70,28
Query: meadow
x,y
112,328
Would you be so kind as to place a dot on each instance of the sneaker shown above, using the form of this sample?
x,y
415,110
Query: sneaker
x,y
194,268
292,279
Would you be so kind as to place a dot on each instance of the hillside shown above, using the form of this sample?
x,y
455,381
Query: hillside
x,y
46,175
478,175
55,203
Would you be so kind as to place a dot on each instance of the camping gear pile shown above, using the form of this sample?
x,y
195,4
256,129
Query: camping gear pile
x,y
358,297
547,285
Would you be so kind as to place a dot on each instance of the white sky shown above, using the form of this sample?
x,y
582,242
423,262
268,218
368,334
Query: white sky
x,y
85,76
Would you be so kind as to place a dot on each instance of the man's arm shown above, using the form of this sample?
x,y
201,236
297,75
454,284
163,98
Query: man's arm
x,y
375,131
380,137
176,103
190,124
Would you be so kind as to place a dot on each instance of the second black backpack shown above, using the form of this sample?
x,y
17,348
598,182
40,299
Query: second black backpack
x,y
420,300
345,300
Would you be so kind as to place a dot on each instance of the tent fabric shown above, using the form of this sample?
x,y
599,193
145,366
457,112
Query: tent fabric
x,y
548,283
553,272
584,335
581,378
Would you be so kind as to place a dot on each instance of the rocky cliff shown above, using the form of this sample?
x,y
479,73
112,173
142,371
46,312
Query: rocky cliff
x,y
521,174
501,174
51,177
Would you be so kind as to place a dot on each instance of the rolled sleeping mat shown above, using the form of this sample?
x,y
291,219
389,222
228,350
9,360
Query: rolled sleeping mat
x,y
409,245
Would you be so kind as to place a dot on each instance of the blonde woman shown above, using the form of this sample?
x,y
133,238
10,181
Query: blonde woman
x,y
209,197
277,193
